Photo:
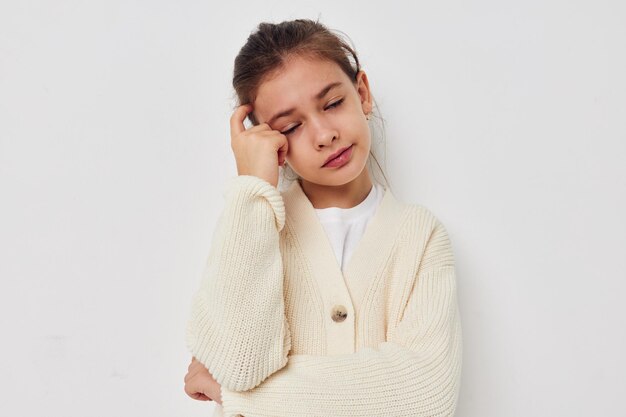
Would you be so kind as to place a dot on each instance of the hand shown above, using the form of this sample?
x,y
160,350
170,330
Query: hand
x,y
200,385
258,150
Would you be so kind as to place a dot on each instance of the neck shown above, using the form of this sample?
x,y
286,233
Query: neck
x,y
343,196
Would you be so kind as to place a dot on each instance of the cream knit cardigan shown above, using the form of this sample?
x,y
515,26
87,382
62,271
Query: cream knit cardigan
x,y
262,320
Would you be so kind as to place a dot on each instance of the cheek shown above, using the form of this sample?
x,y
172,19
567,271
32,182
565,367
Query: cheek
x,y
298,154
293,150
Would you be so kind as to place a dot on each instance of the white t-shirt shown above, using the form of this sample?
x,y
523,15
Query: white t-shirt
x,y
345,226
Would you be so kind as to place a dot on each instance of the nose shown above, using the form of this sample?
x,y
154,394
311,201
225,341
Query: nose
x,y
324,133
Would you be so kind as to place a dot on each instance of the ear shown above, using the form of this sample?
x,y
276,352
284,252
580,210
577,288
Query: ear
x,y
363,89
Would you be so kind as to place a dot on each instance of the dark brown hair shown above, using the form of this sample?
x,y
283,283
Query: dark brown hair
x,y
267,50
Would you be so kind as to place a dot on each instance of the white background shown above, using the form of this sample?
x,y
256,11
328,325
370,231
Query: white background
x,y
506,119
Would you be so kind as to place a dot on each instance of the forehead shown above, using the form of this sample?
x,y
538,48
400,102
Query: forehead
x,y
298,81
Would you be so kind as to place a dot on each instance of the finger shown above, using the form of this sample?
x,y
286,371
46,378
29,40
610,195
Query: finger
x,y
195,369
282,151
237,118
195,386
192,373
201,397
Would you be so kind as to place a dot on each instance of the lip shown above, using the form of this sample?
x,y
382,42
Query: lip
x,y
336,154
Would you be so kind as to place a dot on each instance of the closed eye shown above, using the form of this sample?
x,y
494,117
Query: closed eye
x,y
330,106
335,104
286,132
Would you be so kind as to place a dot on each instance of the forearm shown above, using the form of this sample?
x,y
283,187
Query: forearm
x,y
238,328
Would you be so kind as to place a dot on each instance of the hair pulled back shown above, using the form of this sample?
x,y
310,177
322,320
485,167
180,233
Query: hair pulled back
x,y
268,49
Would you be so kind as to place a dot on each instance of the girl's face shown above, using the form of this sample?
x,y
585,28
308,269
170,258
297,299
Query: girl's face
x,y
320,111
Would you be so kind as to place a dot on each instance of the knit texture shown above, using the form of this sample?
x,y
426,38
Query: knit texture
x,y
238,327
262,320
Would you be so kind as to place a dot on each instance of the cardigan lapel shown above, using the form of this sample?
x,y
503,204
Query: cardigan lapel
x,y
368,257
374,247
302,220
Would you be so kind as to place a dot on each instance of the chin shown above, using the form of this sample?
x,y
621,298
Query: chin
x,y
338,177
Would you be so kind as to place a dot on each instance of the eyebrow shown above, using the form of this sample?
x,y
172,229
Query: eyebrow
x,y
318,96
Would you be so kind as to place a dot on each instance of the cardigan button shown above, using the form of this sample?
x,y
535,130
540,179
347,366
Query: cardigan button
x,y
339,313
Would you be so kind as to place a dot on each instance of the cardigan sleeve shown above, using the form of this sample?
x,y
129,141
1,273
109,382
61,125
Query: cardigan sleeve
x,y
416,372
237,328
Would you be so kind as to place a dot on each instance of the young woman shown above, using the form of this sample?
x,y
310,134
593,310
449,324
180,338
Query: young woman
x,y
331,297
